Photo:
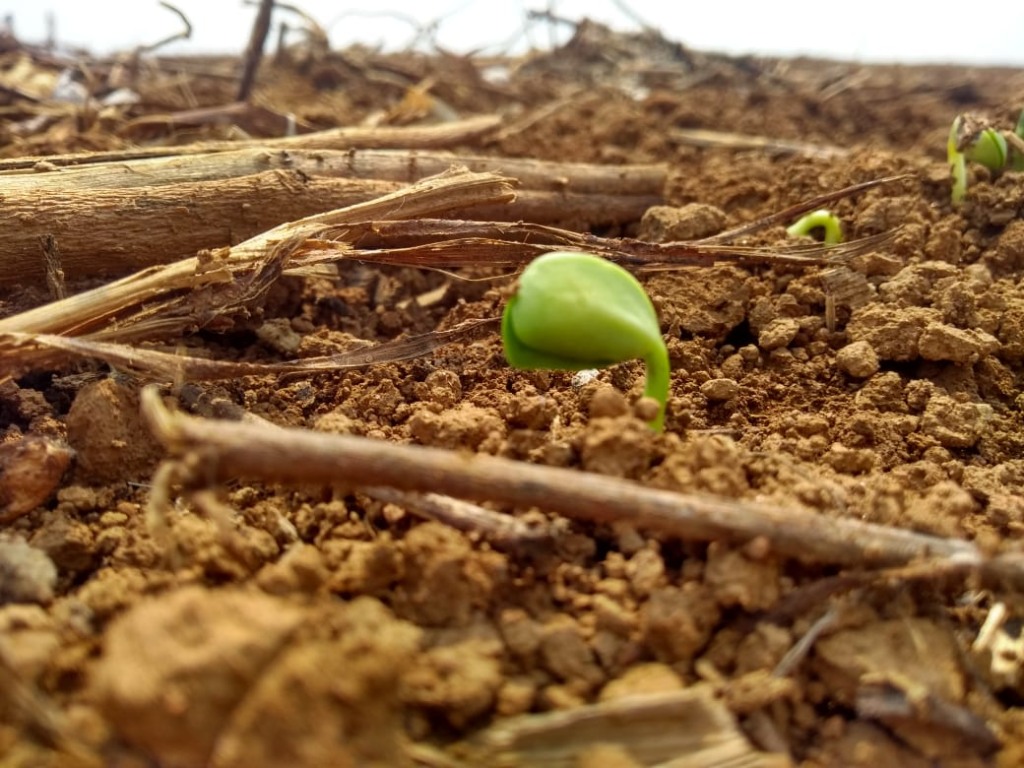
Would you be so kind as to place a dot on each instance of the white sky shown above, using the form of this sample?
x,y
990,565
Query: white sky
x,y
869,30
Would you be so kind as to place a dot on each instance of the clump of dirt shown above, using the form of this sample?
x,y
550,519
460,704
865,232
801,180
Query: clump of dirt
x,y
262,625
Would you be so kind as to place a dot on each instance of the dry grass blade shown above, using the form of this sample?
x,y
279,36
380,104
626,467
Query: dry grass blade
x,y
700,137
165,366
253,451
447,245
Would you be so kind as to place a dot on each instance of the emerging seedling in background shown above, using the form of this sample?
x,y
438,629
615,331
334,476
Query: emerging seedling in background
x,y
822,219
971,139
573,311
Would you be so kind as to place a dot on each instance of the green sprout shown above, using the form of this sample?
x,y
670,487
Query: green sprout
x,y
573,311
972,139
957,163
1017,141
821,219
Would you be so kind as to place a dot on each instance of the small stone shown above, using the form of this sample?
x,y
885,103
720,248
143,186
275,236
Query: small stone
x,y
720,390
27,575
858,360
279,335
778,333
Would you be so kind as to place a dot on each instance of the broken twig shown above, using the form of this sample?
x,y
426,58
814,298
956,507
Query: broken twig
x,y
234,450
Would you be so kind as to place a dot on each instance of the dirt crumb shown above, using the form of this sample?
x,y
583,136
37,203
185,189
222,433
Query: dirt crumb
x,y
720,390
444,583
858,360
467,426
621,446
107,432
331,695
778,333
663,223
175,667
736,580
460,681
939,341
955,424
893,332
565,653
676,622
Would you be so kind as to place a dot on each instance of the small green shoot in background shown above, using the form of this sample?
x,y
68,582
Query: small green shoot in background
x,y
974,140
573,311
821,219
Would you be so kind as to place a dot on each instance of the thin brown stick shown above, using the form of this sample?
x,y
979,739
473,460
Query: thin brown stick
x,y
503,532
184,34
254,51
235,450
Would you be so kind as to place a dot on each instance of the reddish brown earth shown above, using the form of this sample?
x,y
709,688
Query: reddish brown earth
x,y
332,629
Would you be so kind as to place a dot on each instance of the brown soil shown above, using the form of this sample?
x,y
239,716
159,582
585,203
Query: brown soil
x,y
332,629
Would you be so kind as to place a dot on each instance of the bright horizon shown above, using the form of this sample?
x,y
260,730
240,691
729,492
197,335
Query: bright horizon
x,y
877,32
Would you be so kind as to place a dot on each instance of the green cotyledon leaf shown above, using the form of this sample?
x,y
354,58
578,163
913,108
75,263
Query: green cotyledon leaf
x,y
575,310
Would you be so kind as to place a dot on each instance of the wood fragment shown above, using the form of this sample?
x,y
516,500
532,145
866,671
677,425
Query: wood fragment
x,y
112,218
108,232
406,166
686,728
54,267
440,136
130,308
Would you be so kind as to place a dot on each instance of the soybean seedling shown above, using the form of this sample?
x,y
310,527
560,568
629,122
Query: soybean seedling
x,y
820,219
573,311
974,140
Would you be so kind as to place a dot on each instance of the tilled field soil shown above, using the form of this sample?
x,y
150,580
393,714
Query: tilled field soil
x,y
318,626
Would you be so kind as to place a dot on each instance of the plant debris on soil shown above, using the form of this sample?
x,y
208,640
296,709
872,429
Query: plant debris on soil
x,y
230,327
